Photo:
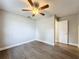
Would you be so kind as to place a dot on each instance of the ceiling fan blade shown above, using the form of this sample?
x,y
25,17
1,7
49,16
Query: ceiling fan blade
x,y
26,10
42,14
31,3
33,15
44,7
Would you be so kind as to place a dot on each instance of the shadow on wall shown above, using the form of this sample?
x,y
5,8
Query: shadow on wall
x,y
1,26
2,35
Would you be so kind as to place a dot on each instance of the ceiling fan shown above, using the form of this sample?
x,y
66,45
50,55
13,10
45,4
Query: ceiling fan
x,y
35,8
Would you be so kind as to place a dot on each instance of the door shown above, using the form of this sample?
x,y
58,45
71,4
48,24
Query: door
x,y
63,31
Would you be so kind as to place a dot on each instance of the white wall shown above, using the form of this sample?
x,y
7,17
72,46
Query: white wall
x,y
15,29
45,30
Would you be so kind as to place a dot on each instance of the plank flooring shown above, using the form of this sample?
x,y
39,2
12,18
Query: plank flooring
x,y
38,50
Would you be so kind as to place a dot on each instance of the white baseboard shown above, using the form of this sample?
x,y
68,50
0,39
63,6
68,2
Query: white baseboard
x,y
18,44
73,44
45,42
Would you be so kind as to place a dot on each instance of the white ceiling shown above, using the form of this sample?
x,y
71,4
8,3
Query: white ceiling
x,y
59,7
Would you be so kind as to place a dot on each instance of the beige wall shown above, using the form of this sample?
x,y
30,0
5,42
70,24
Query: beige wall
x,y
15,29
78,30
73,28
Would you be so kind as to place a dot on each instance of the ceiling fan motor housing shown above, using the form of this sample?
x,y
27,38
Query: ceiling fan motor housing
x,y
36,4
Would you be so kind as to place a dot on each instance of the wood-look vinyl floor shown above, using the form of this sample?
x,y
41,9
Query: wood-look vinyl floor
x,y
38,50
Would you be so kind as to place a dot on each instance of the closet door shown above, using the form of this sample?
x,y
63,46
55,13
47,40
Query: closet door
x,y
63,31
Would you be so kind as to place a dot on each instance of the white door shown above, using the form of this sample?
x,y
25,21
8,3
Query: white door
x,y
63,31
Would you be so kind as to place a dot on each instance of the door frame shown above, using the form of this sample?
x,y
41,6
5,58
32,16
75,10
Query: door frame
x,y
55,31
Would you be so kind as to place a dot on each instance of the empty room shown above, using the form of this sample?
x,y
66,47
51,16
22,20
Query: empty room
x,y
39,29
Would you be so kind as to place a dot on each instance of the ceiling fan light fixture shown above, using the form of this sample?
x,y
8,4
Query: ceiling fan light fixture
x,y
35,10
